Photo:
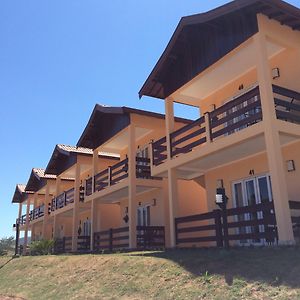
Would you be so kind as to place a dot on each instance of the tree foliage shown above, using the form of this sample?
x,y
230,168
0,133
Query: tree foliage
x,y
7,244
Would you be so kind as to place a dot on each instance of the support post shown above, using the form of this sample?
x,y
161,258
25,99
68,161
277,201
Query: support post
x,y
55,220
46,215
26,225
273,146
173,204
170,124
132,201
93,204
75,221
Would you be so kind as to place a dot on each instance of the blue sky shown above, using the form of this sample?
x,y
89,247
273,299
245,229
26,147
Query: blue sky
x,y
59,58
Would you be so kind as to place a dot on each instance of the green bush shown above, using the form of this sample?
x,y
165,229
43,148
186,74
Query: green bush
x,y
7,245
41,247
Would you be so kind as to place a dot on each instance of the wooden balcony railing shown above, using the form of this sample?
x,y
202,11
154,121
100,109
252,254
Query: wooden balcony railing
x,y
111,239
22,220
287,103
117,173
37,213
159,151
148,237
63,200
235,115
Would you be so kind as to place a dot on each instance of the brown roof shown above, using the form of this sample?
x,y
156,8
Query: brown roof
x,y
106,121
65,156
20,194
202,39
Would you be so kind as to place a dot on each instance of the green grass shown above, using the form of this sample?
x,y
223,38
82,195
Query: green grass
x,y
266,273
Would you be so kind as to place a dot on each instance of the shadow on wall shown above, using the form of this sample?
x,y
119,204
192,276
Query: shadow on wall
x,y
275,266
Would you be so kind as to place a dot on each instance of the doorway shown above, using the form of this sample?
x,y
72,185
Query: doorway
x,y
249,192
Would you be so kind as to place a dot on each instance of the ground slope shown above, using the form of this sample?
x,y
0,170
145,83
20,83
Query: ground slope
x,y
272,273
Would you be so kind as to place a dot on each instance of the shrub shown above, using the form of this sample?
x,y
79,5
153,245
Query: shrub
x,y
7,244
41,247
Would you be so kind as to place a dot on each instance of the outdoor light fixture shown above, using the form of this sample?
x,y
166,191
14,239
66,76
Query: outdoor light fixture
x,y
126,210
291,165
154,202
275,73
81,193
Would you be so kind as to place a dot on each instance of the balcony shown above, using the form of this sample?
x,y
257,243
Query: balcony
x,y
37,213
62,200
237,115
21,221
116,174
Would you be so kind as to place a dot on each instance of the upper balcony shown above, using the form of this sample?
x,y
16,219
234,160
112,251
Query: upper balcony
x,y
37,213
233,128
113,181
64,199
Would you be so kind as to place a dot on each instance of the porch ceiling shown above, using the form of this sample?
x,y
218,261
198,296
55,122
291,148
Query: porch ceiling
x,y
120,141
120,191
223,72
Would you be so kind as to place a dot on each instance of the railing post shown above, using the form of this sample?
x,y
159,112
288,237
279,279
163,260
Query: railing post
x,y
110,239
208,132
65,199
218,224
176,231
225,228
109,176
64,244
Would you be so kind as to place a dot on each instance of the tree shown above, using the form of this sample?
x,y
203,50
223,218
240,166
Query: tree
x,y
7,244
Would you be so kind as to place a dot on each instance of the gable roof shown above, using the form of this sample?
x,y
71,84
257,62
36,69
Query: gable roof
x,y
38,179
107,121
202,39
20,194
65,156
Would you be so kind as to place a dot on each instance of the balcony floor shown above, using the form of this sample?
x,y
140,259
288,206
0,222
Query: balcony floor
x,y
225,150
120,191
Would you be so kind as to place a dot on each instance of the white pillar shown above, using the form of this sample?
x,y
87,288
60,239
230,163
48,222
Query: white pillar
x,y
273,146
132,201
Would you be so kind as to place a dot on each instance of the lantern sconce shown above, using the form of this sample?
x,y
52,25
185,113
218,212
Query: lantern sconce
x,y
220,183
154,202
290,166
275,73
126,210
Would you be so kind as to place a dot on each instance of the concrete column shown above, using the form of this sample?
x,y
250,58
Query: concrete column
x,y
132,201
20,210
273,147
26,224
170,123
172,178
93,204
46,215
75,222
173,204
55,219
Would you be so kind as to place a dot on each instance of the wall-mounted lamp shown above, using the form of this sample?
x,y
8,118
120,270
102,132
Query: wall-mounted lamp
x,y
220,183
275,73
241,87
140,203
126,210
290,165
154,202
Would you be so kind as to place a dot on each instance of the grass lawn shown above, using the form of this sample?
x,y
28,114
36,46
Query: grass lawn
x,y
265,273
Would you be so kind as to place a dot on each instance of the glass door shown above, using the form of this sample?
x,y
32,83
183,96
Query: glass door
x,y
249,192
